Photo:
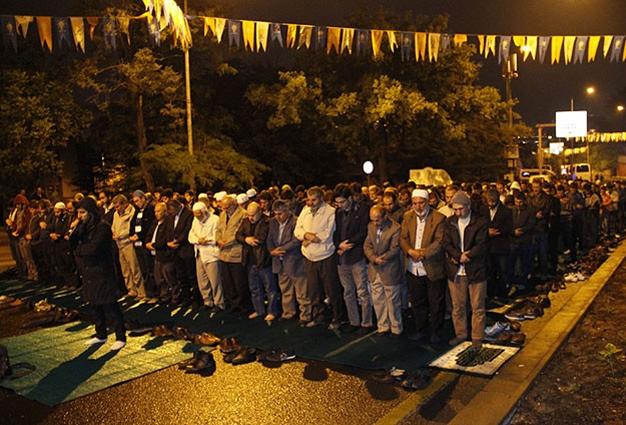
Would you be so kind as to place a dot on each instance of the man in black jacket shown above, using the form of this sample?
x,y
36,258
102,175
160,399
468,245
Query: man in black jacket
x,y
252,235
157,237
139,226
184,260
521,243
465,244
351,220
499,231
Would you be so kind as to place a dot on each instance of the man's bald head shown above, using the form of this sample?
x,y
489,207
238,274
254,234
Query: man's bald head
x,y
377,214
254,212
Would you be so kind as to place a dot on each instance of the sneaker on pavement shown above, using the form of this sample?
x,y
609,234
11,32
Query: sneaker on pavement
x,y
496,328
95,340
118,345
515,315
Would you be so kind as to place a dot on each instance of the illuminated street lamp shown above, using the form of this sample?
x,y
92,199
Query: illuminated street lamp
x,y
368,168
590,90
620,108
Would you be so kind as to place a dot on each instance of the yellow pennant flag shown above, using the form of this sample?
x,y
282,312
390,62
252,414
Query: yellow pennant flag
x,y
209,24
78,31
44,26
570,43
460,39
530,48
420,46
377,39
306,34
519,40
594,42
292,32
247,28
333,39
22,24
490,45
608,39
393,43
481,44
220,25
346,41
557,44
434,39
262,32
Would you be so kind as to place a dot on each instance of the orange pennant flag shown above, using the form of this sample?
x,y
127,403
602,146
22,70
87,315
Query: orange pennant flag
x,y
306,33
292,32
460,39
78,31
333,39
594,42
420,46
346,41
393,43
248,34
93,22
434,39
557,45
377,39
44,26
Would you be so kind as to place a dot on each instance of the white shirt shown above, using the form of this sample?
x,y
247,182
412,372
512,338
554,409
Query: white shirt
x,y
492,212
154,235
447,211
463,222
417,267
322,223
281,229
208,253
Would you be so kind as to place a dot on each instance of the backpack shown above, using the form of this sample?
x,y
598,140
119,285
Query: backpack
x,y
7,371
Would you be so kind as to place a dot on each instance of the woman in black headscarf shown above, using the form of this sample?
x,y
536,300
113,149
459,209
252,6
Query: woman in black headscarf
x,y
91,242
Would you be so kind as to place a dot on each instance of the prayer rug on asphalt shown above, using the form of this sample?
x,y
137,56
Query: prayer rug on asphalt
x,y
485,362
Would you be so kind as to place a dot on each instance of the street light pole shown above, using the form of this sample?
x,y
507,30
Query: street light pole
x,y
509,72
192,181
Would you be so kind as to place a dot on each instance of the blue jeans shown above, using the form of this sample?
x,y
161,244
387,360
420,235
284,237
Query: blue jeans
x,y
262,283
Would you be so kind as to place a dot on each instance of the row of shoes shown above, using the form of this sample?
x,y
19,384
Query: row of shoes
x,y
574,277
409,382
57,316
202,363
181,332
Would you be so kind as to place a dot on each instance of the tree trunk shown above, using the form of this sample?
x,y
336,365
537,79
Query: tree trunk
x,y
382,158
142,143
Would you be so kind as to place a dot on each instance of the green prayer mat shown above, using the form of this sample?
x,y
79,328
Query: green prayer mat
x,y
68,369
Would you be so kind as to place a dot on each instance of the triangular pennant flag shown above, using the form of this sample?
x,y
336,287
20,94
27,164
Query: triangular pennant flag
x,y
434,40
209,24
530,48
9,34
124,26
616,51
306,33
109,28
346,40
44,26
262,33
292,32
608,39
363,42
277,34
234,33
544,42
594,42
460,39
505,48
393,43
570,43
490,45
78,31
519,40
481,44
557,45
445,42
22,24
248,35
154,30
406,45
377,39
334,38
421,41
93,23
581,46
220,26
320,38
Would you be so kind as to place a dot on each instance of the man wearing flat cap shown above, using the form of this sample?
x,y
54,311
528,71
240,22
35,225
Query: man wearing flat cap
x,y
466,251
421,239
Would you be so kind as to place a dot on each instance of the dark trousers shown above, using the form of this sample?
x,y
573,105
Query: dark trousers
x,y
146,265
540,249
428,304
323,280
235,286
578,223
521,252
164,280
497,274
42,259
112,311
15,253
553,247
186,289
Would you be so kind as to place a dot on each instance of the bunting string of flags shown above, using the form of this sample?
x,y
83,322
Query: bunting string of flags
x,y
259,36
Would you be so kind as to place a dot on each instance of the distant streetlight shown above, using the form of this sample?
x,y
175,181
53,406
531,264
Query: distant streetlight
x,y
590,90
368,168
620,108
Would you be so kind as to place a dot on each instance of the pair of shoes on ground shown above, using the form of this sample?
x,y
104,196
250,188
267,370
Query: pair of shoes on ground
x,y
202,363
235,353
268,317
277,355
116,346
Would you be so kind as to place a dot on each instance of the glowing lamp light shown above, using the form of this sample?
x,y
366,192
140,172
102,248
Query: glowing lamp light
x,y
590,90
620,108
368,167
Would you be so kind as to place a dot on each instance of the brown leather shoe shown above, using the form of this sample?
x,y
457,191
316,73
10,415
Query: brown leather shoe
x,y
206,338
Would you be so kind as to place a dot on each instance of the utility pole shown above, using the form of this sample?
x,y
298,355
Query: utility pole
x,y
192,181
540,128
509,72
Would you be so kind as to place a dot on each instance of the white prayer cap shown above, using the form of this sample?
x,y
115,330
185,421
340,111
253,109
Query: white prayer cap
x,y
420,193
199,206
251,193
59,206
242,198
203,196
220,195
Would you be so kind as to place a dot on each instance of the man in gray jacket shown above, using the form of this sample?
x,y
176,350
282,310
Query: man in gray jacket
x,y
382,249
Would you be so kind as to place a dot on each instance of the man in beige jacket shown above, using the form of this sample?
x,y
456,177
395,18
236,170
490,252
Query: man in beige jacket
x,y
120,228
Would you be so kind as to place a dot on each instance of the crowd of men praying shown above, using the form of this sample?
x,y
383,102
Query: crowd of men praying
x,y
393,260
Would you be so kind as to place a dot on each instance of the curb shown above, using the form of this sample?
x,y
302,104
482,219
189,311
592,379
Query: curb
x,y
496,402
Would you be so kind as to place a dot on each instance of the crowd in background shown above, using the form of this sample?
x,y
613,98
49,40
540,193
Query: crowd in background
x,y
388,259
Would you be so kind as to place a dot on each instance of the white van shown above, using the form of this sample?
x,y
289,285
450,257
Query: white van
x,y
581,171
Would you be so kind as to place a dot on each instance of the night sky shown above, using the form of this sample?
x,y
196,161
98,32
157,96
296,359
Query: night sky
x,y
541,89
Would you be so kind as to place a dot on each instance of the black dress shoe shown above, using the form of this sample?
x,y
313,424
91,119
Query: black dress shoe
x,y
245,355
